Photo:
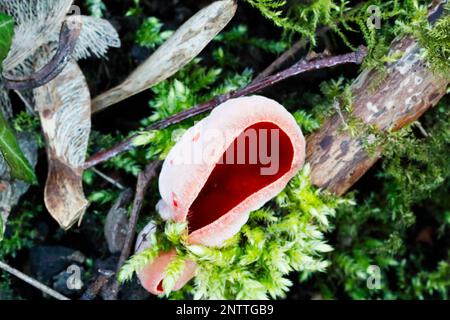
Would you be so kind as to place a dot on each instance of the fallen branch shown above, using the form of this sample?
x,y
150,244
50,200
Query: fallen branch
x,y
144,179
33,282
300,67
409,88
105,177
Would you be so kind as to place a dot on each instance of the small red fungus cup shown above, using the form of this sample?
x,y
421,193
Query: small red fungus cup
x,y
152,276
224,167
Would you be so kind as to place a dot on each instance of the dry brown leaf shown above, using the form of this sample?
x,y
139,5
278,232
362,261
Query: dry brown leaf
x,y
96,37
184,45
36,21
65,111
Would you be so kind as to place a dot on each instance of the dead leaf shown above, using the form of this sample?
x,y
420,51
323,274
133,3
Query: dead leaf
x,y
184,45
96,37
64,109
36,21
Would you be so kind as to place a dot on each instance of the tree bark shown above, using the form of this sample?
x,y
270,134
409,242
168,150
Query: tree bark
x,y
409,89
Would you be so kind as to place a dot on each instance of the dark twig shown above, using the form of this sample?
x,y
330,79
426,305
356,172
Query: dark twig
x,y
107,154
298,68
107,178
291,52
68,37
277,63
28,102
144,179
93,290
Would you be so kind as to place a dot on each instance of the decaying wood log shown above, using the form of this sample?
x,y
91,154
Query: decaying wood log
x,y
409,89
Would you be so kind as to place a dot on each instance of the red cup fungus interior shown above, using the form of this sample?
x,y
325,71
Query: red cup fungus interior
x,y
230,184
160,286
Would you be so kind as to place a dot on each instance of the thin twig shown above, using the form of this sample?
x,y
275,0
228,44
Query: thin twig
x,y
298,68
32,282
28,104
291,52
144,179
421,129
277,63
108,179
68,37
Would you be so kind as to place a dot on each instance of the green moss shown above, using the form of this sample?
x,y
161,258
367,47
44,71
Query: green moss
x,y
25,122
413,178
343,19
6,290
285,236
238,37
150,34
435,39
19,234
96,8
301,18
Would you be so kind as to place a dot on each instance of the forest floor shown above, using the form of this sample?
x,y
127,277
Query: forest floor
x,y
36,245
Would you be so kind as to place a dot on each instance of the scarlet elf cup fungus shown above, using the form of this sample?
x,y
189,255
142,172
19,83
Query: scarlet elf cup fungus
x,y
227,165
152,275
